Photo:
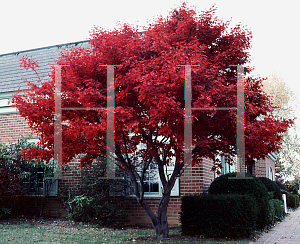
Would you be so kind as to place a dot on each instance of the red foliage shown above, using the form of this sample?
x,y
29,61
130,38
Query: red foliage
x,y
28,63
11,186
149,91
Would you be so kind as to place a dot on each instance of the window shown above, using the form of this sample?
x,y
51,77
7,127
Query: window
x,y
251,167
33,182
152,180
175,190
153,186
152,183
37,184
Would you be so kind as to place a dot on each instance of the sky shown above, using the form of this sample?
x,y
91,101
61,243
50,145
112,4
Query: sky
x,y
274,24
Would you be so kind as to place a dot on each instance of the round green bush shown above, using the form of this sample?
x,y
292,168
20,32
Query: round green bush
x,y
253,187
272,187
218,216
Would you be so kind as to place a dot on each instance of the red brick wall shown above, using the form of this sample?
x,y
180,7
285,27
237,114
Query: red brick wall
x,y
54,208
197,179
262,167
137,215
12,127
191,182
71,178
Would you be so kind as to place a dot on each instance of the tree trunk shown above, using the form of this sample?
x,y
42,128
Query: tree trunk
x,y
159,222
161,226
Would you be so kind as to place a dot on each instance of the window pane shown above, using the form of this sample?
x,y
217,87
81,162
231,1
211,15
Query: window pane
x,y
154,187
147,187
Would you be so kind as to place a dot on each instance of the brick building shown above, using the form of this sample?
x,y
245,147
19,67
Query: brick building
x,y
12,126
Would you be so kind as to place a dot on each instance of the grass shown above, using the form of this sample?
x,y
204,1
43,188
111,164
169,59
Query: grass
x,y
31,233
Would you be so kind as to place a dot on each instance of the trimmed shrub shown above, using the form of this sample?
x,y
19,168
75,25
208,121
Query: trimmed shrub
x,y
218,216
272,187
293,200
253,187
275,212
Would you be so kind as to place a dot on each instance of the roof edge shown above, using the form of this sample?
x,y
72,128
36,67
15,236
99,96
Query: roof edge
x,y
42,48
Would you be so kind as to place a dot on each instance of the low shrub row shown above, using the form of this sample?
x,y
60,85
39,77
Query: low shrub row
x,y
218,215
272,187
291,192
253,187
235,207
275,211
293,200
225,215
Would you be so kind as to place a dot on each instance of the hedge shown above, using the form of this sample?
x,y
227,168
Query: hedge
x,y
272,187
253,187
218,216
293,200
275,212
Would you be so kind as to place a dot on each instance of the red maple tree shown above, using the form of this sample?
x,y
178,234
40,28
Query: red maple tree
x,y
149,99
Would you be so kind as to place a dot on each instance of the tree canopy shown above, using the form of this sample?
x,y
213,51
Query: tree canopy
x,y
288,160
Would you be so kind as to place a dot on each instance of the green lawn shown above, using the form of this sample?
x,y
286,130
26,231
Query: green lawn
x,y
31,233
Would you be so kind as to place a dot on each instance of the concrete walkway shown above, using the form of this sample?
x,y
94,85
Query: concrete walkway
x,y
287,231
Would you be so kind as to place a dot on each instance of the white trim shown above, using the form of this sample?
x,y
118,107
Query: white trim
x,y
6,108
175,189
8,95
271,174
273,156
4,103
